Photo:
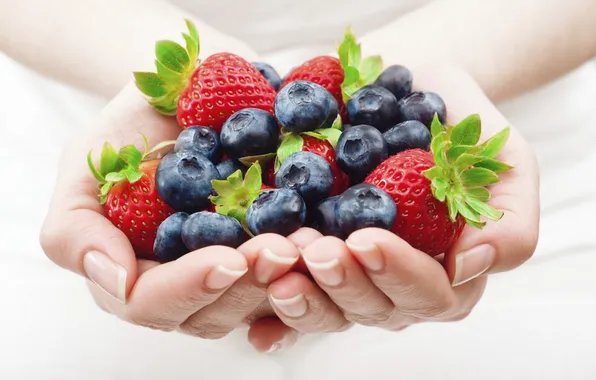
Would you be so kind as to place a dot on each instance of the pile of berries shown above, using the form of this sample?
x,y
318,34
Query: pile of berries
x,y
338,145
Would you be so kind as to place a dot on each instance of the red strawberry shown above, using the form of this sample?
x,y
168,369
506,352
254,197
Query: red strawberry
x,y
341,77
207,94
325,71
437,192
129,196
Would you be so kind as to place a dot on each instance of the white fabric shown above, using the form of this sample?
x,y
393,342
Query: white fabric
x,y
533,323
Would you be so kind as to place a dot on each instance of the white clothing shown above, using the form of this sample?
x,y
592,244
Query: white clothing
x,y
535,322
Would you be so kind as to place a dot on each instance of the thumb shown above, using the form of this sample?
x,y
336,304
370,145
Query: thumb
x,y
83,241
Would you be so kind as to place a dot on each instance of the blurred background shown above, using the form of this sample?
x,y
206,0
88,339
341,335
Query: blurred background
x,y
536,322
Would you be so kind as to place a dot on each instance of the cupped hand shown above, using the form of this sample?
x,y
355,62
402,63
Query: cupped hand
x,y
377,279
206,293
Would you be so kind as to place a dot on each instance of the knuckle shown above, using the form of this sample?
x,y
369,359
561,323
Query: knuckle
x,y
204,329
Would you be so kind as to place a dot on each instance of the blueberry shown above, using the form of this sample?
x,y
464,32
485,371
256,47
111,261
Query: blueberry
x,y
279,211
363,206
410,134
183,180
303,106
422,106
203,229
373,105
333,112
359,151
228,167
346,126
168,245
204,140
249,132
322,218
269,73
307,173
397,79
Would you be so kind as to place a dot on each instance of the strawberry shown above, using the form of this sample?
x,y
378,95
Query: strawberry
x,y
128,194
438,192
206,94
341,77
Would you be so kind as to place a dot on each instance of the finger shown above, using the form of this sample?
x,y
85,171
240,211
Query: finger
x,y
75,235
338,273
301,305
271,334
509,242
166,295
268,257
302,238
416,283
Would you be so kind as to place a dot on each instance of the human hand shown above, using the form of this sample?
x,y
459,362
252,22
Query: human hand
x,y
377,279
206,293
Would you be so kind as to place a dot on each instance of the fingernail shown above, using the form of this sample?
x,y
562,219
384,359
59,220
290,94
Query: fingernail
x,y
330,273
292,307
286,342
221,277
106,274
268,263
473,263
368,255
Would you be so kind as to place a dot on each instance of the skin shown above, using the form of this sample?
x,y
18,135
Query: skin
x,y
482,67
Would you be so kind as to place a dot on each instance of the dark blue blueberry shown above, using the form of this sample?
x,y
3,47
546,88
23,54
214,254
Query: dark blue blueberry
x,y
228,167
346,126
333,112
359,151
303,106
168,245
410,134
322,218
373,105
397,79
204,229
249,132
204,140
422,106
269,73
307,173
364,206
279,211
183,180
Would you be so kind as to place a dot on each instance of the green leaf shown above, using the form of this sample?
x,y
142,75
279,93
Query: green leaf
x,y
370,69
475,224
192,30
237,213
330,134
172,55
452,207
484,209
440,187
253,179
131,155
478,177
115,177
314,134
491,147
168,75
467,212
291,144
222,186
337,123
346,46
436,127
494,165
433,173
467,132
150,84
438,145
261,159
466,160
456,151
351,76
479,193
93,169
160,146
109,160
132,174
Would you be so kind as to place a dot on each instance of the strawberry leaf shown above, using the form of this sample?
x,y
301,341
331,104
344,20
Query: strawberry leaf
x,y
371,68
478,177
131,155
456,151
337,123
484,209
467,132
172,55
116,176
291,144
94,170
150,84
491,147
109,161
330,134
253,179
261,159
493,165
